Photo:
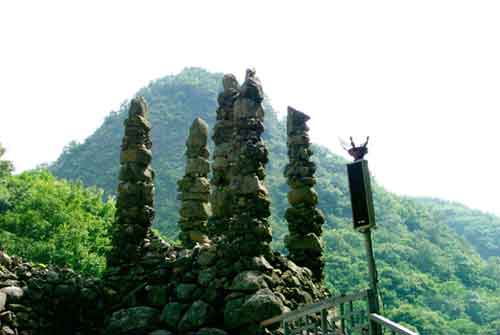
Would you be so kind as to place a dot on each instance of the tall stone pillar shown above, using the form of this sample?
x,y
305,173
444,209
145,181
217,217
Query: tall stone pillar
x,y
220,198
134,205
194,188
304,219
249,230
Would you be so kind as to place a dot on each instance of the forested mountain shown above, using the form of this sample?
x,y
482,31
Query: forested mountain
x,y
428,251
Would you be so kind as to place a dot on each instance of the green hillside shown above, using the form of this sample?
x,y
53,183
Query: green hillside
x,y
430,265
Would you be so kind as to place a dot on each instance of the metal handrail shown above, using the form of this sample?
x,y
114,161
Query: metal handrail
x,y
375,326
384,322
315,308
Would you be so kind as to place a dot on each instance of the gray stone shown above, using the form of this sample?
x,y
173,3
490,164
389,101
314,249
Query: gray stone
x,y
262,305
247,108
135,319
9,282
260,263
195,209
3,301
233,313
138,107
307,242
211,331
199,314
303,195
206,276
157,295
172,313
185,292
197,166
5,259
249,185
6,330
248,281
13,293
207,256
229,82
296,121
161,332
198,133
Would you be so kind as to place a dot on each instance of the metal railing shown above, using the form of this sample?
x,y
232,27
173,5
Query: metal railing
x,y
350,314
391,326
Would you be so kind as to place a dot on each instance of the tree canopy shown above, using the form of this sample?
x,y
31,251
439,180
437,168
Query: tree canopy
x,y
48,220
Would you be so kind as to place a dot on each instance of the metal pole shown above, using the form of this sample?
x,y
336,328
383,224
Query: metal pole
x,y
372,268
373,299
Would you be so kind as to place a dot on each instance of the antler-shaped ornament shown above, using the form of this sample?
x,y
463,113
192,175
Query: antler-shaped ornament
x,y
358,152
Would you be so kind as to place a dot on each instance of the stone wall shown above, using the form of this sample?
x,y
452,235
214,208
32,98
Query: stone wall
x,y
39,299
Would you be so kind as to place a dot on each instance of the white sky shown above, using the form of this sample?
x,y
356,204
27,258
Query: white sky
x,y
421,77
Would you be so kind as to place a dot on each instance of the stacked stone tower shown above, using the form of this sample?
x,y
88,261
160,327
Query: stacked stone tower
x,y
194,188
134,206
249,232
221,166
304,219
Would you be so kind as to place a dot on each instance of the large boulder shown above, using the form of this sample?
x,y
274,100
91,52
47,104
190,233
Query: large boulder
x,y
161,332
172,314
199,314
211,331
137,320
13,293
248,281
242,312
186,292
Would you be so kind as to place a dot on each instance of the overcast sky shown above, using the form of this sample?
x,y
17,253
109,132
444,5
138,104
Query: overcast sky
x,y
422,78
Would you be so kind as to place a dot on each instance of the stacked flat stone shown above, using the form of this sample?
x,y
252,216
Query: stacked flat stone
x,y
220,198
194,187
249,231
134,206
304,219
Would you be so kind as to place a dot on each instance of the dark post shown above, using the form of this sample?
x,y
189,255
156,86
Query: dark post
x,y
363,216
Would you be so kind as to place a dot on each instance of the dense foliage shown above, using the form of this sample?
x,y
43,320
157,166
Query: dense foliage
x,y
479,229
47,220
6,167
428,252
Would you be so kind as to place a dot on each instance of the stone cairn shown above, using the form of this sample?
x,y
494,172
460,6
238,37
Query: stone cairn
x,y
194,188
304,219
249,231
134,205
223,287
222,138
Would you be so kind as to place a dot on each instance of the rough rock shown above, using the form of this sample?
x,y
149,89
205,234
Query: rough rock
x,y
199,314
248,281
161,332
139,320
13,293
172,314
211,331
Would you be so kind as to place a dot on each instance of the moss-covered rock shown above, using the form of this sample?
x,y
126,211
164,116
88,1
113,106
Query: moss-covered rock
x,y
139,320
199,314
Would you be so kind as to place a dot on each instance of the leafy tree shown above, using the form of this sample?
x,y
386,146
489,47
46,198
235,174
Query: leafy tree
x,y
6,167
56,221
